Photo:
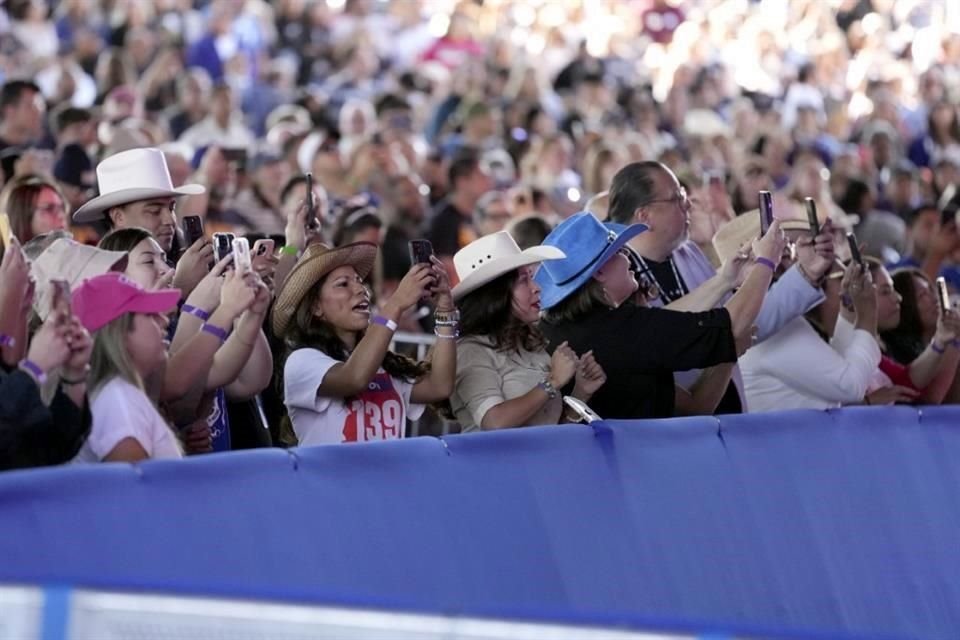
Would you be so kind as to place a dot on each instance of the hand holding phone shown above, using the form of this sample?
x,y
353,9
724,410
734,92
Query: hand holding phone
x,y
943,294
854,248
263,247
812,216
766,212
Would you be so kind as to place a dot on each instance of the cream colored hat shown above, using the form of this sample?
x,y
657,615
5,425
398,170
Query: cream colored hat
x,y
129,176
71,261
491,256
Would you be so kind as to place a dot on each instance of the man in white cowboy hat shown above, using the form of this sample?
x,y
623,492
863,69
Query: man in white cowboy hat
x,y
136,191
649,193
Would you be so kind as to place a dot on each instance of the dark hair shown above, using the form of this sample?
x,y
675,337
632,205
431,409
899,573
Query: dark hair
x,y
529,231
852,198
632,186
306,330
19,200
292,184
13,90
67,116
464,163
488,311
353,220
917,211
578,304
124,239
954,128
904,343
390,102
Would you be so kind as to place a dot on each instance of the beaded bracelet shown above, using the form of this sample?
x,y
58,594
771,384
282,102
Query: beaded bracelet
x,y
215,331
195,311
384,322
766,262
447,336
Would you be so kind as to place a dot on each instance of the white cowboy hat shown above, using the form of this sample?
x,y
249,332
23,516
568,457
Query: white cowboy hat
x,y
491,256
131,176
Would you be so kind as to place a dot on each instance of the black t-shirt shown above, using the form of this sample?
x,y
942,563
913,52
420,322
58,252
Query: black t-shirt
x,y
639,348
673,287
449,230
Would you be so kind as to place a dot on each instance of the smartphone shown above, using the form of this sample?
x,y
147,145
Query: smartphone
x,y
192,229
263,247
420,251
5,231
311,204
942,294
241,255
222,245
812,216
766,212
60,298
854,248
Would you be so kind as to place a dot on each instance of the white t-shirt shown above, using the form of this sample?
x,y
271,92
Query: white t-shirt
x,y
121,410
378,413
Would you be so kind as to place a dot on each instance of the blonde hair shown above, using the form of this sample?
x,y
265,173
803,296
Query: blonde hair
x,y
110,358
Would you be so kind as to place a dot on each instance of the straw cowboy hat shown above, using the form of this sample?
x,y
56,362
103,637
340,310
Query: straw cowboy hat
x,y
588,245
131,176
317,261
486,259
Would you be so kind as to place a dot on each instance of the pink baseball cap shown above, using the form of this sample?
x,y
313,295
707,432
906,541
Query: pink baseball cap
x,y
101,300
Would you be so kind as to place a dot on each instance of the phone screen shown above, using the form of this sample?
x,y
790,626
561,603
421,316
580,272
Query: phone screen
x,y
222,245
854,248
60,298
311,203
192,229
766,212
812,216
241,255
943,294
420,251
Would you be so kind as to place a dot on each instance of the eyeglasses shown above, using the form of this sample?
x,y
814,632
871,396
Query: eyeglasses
x,y
680,199
51,209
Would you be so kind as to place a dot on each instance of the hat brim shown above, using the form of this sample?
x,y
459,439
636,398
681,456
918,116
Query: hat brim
x,y
552,294
153,301
102,262
496,268
93,210
317,262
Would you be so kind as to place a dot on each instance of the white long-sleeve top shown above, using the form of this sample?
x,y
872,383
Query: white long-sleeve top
x,y
796,369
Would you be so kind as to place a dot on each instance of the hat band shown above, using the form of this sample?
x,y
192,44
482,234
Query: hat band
x,y
611,237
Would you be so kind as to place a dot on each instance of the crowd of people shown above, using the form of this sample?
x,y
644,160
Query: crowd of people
x,y
560,197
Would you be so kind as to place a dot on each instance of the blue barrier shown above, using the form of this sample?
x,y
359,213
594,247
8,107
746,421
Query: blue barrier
x,y
828,523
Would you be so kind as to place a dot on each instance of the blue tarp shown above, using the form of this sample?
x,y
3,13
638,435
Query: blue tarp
x,y
844,522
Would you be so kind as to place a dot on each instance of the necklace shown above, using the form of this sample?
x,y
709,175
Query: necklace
x,y
667,294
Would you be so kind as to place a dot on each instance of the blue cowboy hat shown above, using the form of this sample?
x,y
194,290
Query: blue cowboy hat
x,y
588,245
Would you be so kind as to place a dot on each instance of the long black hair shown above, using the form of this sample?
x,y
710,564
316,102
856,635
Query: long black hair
x,y
488,311
905,342
306,330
